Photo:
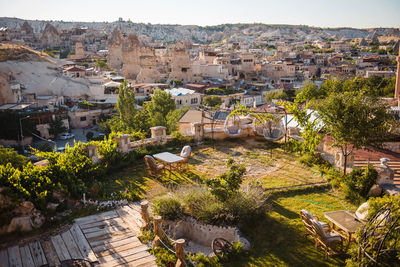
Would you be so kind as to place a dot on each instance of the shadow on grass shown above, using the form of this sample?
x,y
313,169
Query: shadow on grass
x,y
275,243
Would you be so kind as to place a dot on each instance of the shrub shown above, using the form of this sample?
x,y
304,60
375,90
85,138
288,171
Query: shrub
x,y
9,155
392,240
45,147
358,183
89,135
168,207
228,183
164,257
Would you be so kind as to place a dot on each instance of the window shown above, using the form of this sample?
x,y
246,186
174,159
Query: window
x,y
83,118
194,101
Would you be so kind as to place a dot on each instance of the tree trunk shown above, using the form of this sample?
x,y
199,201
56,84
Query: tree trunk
x,y
345,163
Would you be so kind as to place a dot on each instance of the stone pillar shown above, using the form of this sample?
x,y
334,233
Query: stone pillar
x,y
43,130
180,253
397,89
145,214
157,231
92,151
385,173
198,131
158,131
123,143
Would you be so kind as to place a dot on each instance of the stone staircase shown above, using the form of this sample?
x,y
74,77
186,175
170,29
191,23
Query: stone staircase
x,y
106,239
393,164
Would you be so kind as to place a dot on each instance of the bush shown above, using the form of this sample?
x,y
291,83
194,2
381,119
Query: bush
x,y
392,240
358,183
45,147
9,155
168,207
227,184
89,135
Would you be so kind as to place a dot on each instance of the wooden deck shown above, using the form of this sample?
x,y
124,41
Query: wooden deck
x,y
106,239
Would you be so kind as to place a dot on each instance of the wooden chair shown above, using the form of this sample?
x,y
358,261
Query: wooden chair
x,y
306,217
185,153
331,242
152,167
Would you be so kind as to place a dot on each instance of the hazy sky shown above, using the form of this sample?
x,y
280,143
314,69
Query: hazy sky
x,y
323,13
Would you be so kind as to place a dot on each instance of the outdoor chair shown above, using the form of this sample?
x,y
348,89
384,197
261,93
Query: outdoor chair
x,y
331,242
307,218
185,153
153,168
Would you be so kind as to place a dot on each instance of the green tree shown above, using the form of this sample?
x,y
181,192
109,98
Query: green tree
x,y
275,95
101,64
57,126
161,104
353,120
212,101
8,155
126,105
309,92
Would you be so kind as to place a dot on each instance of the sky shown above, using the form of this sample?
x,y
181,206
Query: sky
x,y
320,13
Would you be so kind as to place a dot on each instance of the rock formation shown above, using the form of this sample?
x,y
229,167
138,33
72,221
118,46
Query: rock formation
x,y
50,37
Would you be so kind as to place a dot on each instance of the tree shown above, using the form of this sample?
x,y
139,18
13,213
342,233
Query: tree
x,y
353,120
310,130
212,101
309,92
126,105
161,104
57,126
8,155
101,64
275,95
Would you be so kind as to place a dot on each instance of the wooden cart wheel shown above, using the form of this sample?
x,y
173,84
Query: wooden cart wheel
x,y
221,248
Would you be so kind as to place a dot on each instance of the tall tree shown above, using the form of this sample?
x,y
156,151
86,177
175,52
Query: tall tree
x,y
126,105
57,126
161,104
353,120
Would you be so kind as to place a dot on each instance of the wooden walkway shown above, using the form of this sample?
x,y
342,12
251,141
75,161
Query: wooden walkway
x,y
106,239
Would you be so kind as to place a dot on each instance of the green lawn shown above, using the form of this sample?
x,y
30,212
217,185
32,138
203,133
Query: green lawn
x,y
280,239
277,240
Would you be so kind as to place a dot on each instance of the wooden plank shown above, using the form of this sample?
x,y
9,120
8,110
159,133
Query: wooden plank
x,y
108,240
119,227
26,258
134,227
97,217
37,253
50,253
123,254
83,244
115,244
129,260
73,249
3,258
113,221
119,249
135,214
105,233
148,261
61,249
14,257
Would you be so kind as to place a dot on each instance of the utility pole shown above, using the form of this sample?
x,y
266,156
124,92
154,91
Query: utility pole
x,y
397,89
22,134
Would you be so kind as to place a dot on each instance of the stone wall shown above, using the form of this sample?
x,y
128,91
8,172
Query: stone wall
x,y
203,234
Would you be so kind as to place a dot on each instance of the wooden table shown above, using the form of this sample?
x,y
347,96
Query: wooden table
x,y
168,159
345,221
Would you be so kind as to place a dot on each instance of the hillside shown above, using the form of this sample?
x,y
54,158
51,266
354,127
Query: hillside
x,y
173,33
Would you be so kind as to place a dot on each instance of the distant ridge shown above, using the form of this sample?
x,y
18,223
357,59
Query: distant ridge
x,y
206,34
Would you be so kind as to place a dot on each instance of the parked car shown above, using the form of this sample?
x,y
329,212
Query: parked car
x,y
66,136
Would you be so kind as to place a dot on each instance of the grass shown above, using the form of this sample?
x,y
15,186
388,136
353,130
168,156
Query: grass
x,y
280,239
265,162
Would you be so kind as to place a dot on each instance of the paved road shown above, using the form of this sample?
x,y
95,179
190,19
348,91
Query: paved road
x,y
80,136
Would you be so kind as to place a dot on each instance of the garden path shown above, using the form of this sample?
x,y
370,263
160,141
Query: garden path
x,y
106,239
